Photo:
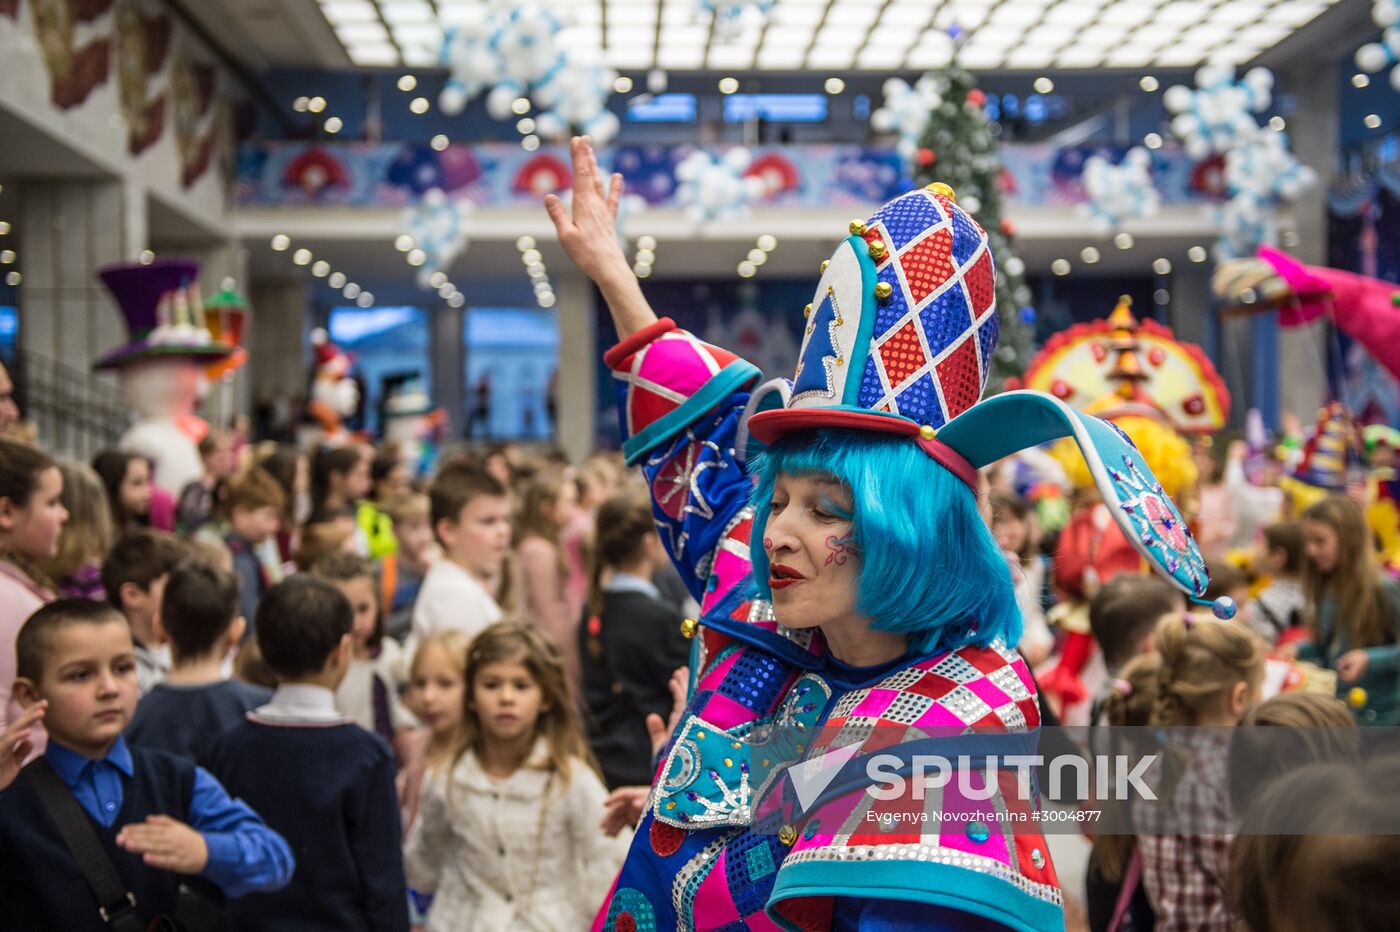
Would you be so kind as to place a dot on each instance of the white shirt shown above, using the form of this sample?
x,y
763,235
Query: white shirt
x,y
354,697
450,597
302,704
499,854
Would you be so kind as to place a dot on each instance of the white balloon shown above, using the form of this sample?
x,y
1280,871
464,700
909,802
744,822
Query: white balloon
x,y
1372,57
499,101
1177,98
453,99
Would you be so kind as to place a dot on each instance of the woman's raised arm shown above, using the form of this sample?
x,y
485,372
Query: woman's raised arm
x,y
588,234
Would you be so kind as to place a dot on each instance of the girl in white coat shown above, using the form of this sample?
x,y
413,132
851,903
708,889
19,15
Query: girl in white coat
x,y
508,836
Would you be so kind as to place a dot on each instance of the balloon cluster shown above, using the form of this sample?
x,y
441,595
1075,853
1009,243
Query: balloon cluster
x,y
438,227
1120,192
1245,222
1376,56
732,17
1219,114
906,112
1265,168
512,50
716,188
1260,171
1259,175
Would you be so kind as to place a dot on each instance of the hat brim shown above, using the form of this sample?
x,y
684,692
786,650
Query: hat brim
x,y
768,426
142,351
1010,422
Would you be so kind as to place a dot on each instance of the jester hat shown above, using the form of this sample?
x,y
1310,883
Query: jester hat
x,y
899,340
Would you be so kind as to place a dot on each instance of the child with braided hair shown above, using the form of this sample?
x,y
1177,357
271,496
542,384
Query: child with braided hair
x,y
1210,673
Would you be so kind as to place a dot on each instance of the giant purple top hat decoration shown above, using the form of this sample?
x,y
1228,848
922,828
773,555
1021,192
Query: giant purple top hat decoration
x,y
899,340
163,312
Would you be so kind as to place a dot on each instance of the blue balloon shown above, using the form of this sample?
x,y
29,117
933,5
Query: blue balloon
x,y
1028,315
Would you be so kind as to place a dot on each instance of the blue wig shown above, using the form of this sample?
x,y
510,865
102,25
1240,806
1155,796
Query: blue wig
x,y
930,568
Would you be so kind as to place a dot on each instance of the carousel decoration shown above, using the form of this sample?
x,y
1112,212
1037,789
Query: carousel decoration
x,y
1154,388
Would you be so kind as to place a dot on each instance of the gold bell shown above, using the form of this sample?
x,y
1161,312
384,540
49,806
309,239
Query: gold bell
x,y
883,290
825,263
940,188
926,432
877,250
688,628
807,311
857,228
787,835
1357,697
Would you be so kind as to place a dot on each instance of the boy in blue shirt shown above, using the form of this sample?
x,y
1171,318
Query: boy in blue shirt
x,y
162,822
201,621
322,781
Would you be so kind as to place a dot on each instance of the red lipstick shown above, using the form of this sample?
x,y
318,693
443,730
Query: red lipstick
x,y
780,576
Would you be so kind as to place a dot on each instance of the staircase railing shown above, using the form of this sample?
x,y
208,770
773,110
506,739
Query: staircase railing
x,y
76,413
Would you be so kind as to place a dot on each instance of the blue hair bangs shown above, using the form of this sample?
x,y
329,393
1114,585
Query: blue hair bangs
x,y
930,568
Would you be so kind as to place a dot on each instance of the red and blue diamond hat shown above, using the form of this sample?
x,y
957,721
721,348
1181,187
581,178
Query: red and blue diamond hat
x,y
899,340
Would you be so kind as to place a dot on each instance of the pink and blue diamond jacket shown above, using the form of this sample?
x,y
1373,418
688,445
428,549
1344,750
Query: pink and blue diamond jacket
x,y
722,844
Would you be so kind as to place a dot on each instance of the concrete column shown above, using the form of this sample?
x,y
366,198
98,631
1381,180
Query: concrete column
x,y
278,338
1189,310
447,364
67,231
578,365
1301,359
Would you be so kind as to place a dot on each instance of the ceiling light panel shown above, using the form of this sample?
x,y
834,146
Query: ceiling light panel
x,y
350,11
871,34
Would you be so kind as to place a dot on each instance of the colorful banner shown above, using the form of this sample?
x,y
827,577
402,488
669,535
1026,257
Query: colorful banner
x,y
285,174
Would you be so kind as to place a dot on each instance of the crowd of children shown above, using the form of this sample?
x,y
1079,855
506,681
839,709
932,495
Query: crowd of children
x,y
369,700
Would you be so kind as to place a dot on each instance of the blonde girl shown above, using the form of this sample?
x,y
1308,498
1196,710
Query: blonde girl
x,y
507,835
1210,673
1352,611
436,690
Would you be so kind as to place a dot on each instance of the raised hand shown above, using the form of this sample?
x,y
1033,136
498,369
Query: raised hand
x,y
17,740
588,234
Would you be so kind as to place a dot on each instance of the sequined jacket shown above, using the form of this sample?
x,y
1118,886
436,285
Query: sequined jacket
x,y
726,842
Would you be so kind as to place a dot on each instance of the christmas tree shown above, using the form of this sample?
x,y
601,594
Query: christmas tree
x,y
958,149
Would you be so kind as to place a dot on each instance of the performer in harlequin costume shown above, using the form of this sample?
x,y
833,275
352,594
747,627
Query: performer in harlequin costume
x,y
162,367
850,591
1156,389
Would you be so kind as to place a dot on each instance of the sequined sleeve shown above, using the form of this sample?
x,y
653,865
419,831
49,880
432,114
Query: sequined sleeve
x,y
681,401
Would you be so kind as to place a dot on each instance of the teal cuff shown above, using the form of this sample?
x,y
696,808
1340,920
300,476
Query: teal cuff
x,y
728,380
918,882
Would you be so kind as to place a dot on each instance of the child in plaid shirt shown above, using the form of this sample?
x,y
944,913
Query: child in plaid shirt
x,y
1210,673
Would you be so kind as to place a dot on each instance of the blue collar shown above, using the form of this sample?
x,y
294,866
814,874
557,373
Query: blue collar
x,y
628,582
69,764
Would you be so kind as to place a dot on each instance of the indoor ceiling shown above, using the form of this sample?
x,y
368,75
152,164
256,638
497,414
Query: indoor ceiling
x,y
877,35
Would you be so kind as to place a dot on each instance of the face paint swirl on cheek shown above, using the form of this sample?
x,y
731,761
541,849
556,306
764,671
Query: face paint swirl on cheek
x,y
767,543
838,551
